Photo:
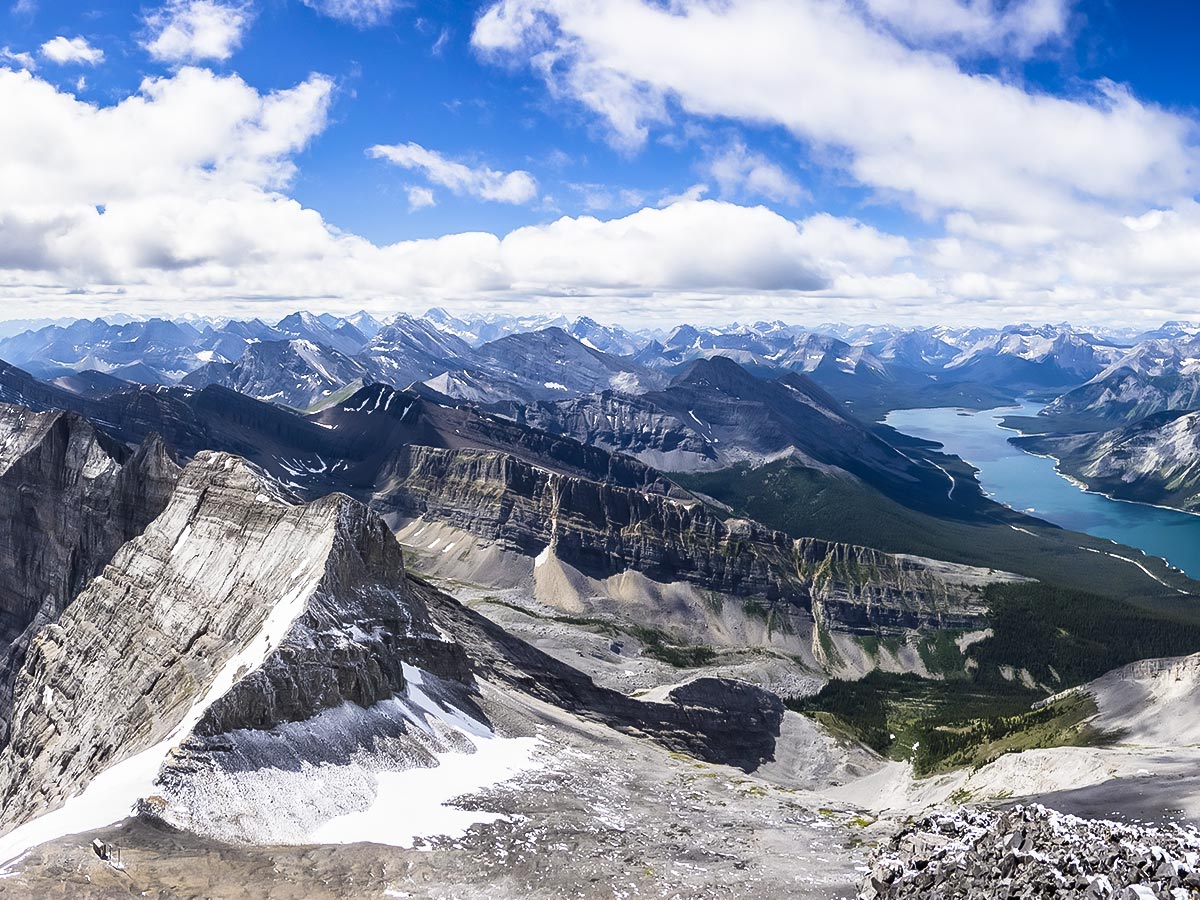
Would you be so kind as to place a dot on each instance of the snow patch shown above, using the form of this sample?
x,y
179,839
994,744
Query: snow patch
x,y
417,802
111,795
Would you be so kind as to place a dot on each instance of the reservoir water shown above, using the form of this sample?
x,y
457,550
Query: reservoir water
x,y
1030,483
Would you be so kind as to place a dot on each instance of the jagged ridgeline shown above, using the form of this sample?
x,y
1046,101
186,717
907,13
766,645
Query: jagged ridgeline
x,y
240,610
255,625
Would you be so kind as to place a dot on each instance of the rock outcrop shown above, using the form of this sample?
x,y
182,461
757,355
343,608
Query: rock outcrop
x,y
1035,852
71,496
859,590
598,527
603,530
203,597
240,610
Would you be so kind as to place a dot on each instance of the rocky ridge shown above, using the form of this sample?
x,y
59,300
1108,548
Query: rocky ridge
x,y
244,614
71,497
1031,851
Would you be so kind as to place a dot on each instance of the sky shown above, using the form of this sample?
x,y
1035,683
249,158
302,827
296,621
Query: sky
x,y
639,161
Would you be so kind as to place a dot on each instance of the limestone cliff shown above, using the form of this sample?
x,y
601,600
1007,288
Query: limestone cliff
x,y
70,497
240,610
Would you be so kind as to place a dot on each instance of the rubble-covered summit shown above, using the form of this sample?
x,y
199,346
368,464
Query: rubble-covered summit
x,y
1031,851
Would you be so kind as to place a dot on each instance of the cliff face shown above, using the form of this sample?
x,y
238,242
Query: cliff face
x,y
240,610
70,497
859,590
603,530
599,528
217,579
359,627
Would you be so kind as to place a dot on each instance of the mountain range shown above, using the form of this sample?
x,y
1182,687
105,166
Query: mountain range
x,y
313,589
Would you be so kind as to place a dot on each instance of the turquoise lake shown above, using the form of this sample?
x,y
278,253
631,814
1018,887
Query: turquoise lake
x,y
1029,483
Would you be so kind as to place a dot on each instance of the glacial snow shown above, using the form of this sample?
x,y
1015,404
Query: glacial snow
x,y
112,794
417,802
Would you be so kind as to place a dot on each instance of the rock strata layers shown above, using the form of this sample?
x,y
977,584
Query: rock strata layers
x,y
71,496
242,611
233,572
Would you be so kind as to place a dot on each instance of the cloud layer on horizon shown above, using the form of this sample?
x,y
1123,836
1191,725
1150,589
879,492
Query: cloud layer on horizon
x,y
1040,206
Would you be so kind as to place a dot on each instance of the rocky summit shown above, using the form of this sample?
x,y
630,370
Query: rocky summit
x,y
436,608
1031,851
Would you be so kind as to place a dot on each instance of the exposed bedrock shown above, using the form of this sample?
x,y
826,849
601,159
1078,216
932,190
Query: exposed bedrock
x,y
69,497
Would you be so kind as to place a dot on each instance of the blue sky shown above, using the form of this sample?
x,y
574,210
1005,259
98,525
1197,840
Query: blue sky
x,y
823,158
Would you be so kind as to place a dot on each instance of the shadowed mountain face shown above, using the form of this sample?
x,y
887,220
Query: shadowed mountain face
x,y
295,373
1154,460
716,414
552,364
344,445
339,335
71,496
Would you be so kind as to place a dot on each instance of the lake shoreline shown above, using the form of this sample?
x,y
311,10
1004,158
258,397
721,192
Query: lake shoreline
x,y
1083,486
983,440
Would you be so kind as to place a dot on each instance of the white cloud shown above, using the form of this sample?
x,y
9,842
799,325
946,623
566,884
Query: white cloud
x,y
420,198
704,245
24,8
359,13
18,58
1018,27
439,45
694,192
62,50
183,173
848,246
1034,193
478,181
909,123
739,170
98,202
177,197
193,30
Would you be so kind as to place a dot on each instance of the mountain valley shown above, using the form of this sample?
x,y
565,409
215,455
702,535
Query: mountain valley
x,y
419,606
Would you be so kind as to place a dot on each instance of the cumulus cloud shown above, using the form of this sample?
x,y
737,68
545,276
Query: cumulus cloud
x,y
18,58
359,13
106,191
849,246
116,203
480,182
64,51
698,245
909,123
739,170
102,201
420,198
1018,27
1081,203
194,30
